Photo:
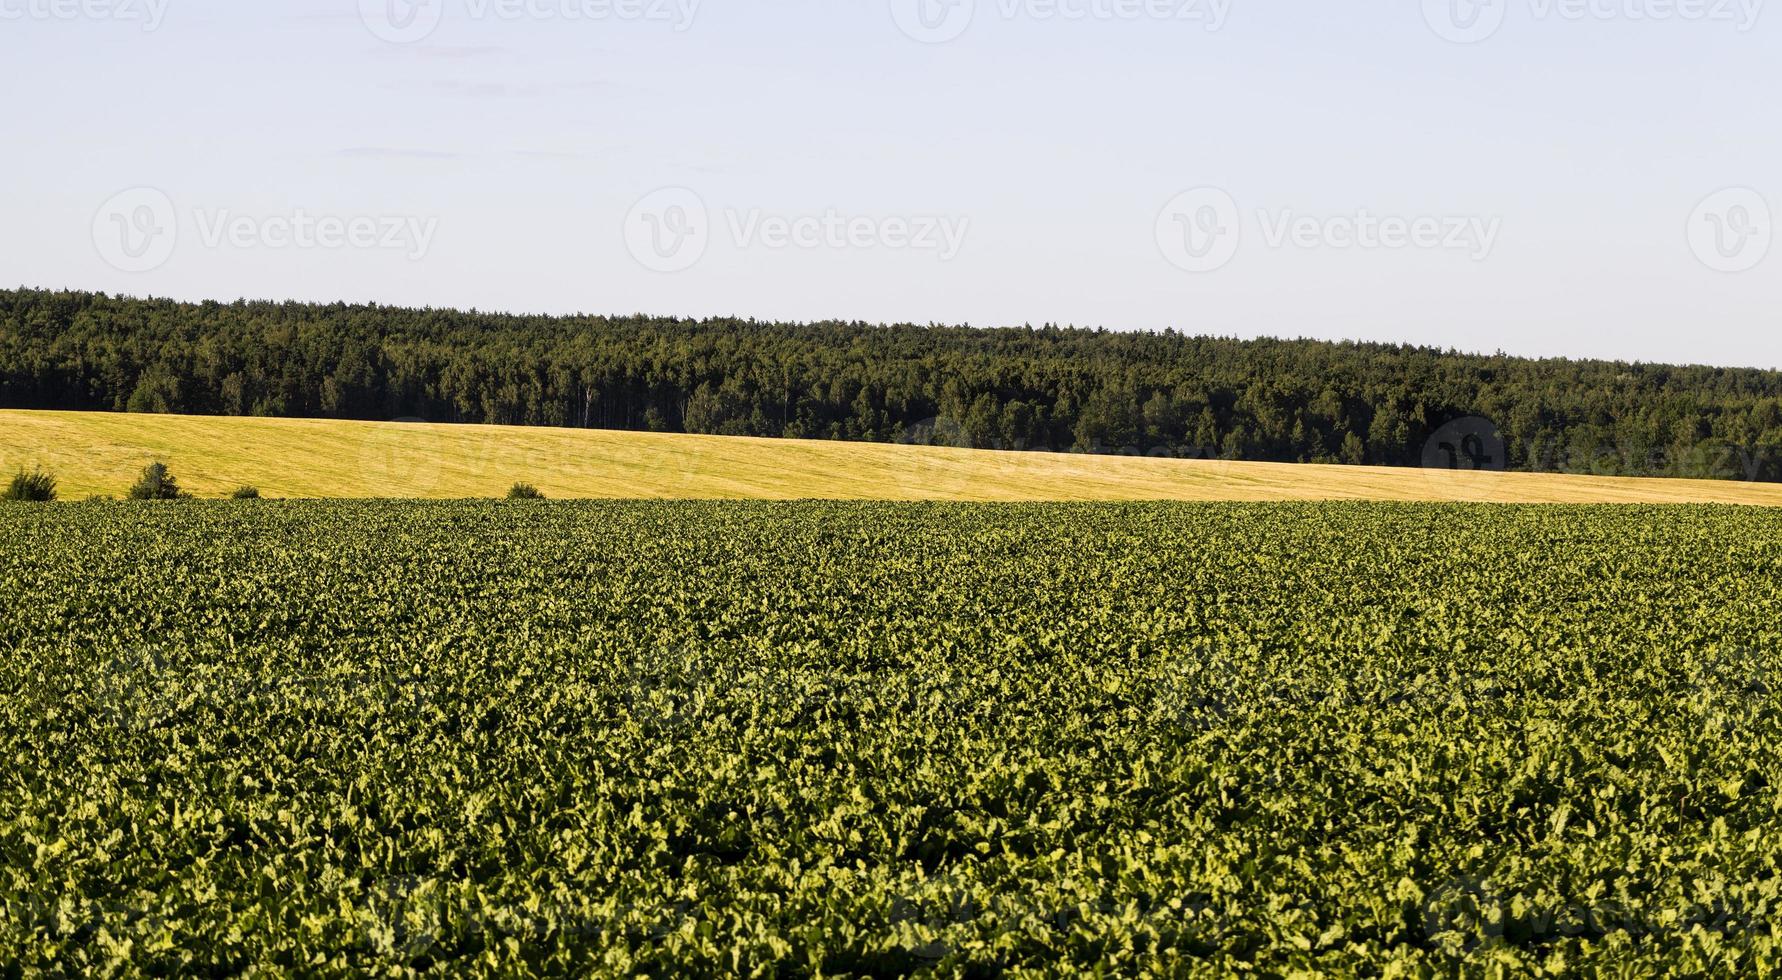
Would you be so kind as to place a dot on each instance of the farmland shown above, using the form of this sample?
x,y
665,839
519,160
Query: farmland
x,y
101,453
873,738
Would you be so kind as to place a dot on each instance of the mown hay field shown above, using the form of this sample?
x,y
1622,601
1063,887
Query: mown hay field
x,y
93,453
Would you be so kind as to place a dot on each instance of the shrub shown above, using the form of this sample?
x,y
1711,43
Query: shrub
x,y
245,493
524,491
156,483
35,486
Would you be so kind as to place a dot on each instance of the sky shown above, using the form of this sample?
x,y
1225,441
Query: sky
x,y
1582,178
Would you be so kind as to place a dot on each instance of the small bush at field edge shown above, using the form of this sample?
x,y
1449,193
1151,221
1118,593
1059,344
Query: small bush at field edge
x,y
156,483
245,493
524,491
36,486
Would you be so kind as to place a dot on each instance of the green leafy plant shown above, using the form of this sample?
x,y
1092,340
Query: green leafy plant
x,y
36,486
406,738
156,483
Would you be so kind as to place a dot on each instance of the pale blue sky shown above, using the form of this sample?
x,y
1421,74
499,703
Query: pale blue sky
x,y
1573,167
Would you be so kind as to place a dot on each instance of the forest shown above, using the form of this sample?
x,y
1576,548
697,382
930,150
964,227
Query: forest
x,y
1048,388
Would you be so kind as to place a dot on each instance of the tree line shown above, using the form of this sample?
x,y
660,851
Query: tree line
x,y
1044,388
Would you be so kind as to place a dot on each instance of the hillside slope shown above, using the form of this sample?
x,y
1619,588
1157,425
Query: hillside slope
x,y
101,453
1281,401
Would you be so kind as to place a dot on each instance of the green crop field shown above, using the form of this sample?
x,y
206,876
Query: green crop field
x,y
797,739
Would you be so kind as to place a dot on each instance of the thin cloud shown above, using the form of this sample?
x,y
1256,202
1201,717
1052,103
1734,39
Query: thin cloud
x,y
396,153
551,154
458,52
461,89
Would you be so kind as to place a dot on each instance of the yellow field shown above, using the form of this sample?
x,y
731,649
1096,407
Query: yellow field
x,y
94,453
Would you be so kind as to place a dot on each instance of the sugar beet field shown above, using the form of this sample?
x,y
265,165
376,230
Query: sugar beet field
x,y
805,739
